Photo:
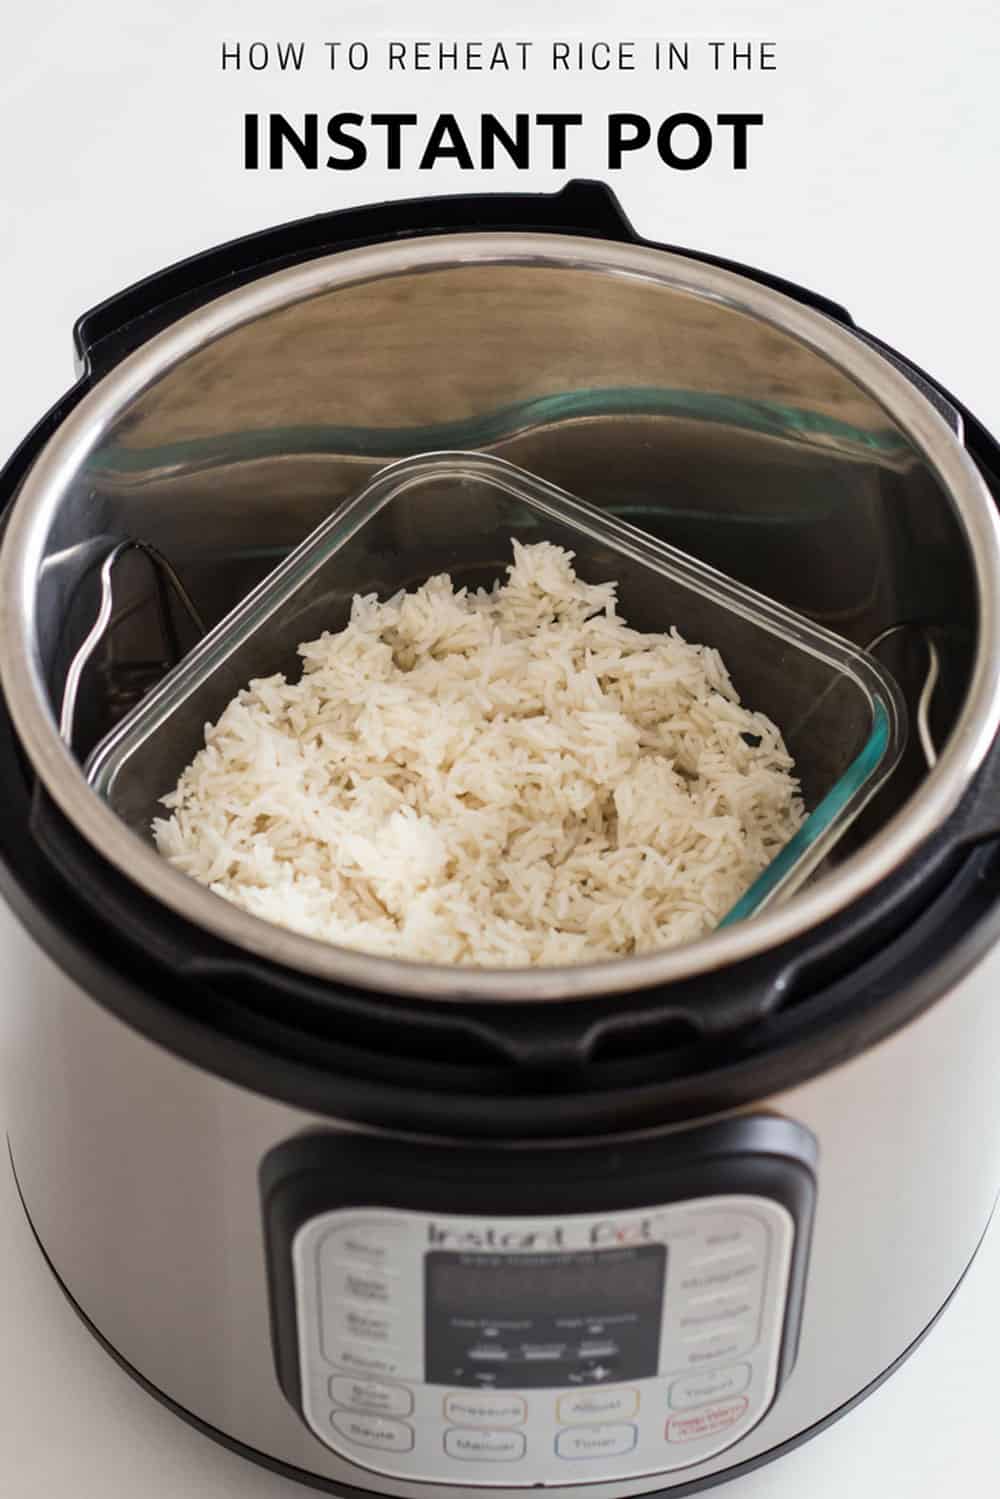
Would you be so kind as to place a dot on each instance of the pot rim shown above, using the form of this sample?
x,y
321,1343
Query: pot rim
x,y
37,503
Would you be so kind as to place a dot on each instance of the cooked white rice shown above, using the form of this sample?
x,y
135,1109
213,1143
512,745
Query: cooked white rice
x,y
495,778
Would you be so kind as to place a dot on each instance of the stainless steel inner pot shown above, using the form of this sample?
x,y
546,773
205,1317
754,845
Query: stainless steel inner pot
x,y
752,432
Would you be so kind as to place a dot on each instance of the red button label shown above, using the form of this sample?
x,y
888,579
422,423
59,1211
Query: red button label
x,y
706,1422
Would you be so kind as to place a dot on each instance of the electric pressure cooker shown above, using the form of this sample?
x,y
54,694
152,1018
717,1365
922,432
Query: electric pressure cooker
x,y
637,1226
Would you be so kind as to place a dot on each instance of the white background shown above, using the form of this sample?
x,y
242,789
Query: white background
x,y
874,181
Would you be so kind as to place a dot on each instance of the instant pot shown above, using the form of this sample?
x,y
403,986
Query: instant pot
x,y
638,1226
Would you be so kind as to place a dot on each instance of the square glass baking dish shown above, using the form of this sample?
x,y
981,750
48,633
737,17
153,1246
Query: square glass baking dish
x,y
842,716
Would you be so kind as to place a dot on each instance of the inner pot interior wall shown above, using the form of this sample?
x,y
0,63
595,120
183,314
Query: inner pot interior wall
x,y
691,419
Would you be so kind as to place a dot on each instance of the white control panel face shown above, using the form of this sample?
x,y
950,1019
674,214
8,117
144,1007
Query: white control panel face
x,y
527,1351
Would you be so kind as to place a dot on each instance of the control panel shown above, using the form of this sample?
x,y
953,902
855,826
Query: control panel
x,y
431,1325
522,1351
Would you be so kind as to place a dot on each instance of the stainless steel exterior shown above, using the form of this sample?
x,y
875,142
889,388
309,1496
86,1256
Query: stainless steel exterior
x,y
140,1174
758,434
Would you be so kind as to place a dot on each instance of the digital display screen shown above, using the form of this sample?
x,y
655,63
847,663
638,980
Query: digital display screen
x,y
543,1319
599,1280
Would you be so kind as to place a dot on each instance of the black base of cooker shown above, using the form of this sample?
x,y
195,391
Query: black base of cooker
x,y
348,1491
